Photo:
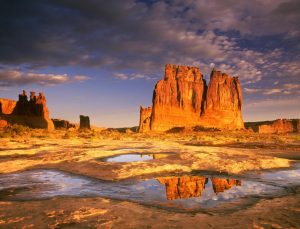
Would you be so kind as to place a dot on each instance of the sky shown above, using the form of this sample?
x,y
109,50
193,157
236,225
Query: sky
x,y
102,58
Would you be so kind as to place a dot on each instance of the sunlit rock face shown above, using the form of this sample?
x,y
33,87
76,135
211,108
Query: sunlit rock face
x,y
183,187
182,99
145,116
33,112
221,184
177,99
7,106
223,104
280,126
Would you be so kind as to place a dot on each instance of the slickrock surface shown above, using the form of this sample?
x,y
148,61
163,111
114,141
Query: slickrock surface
x,y
33,112
84,122
182,99
7,106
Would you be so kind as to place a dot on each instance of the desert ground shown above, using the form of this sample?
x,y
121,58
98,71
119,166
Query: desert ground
x,y
184,153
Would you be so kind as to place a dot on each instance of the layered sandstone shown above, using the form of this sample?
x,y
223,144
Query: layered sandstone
x,y
7,106
223,102
33,112
84,122
178,98
221,184
183,187
280,126
182,99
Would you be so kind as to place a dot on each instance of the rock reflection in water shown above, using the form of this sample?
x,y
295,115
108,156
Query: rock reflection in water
x,y
193,186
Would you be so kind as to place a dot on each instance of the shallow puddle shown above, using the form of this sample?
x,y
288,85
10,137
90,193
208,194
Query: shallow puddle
x,y
132,157
184,192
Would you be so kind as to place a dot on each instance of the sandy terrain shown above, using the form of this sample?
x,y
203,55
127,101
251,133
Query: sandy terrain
x,y
81,153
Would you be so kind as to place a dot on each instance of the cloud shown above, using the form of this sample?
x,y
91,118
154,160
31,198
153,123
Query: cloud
x,y
243,38
10,77
132,76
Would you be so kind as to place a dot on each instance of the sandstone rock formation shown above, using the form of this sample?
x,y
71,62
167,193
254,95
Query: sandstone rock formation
x,y
223,102
33,112
145,116
278,126
84,122
7,106
182,99
64,124
183,187
221,184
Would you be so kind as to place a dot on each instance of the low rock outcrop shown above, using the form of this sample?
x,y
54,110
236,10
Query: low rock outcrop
x,y
182,99
278,126
84,122
33,112
63,124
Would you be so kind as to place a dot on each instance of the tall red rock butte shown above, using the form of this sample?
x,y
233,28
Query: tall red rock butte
x,y
182,99
33,112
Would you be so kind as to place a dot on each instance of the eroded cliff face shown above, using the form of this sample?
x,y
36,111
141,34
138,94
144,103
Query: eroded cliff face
x,y
178,98
33,112
7,106
223,104
182,99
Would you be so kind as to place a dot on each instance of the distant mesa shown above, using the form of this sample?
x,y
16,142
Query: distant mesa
x,y
33,112
278,126
84,122
183,99
193,186
62,124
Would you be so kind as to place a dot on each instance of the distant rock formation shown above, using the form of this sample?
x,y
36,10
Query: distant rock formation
x,y
221,184
279,126
182,99
145,117
33,112
7,106
64,124
183,187
84,122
